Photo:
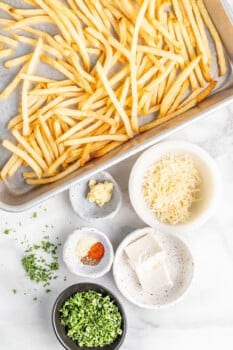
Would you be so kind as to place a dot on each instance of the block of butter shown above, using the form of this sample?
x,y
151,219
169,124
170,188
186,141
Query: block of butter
x,y
148,260
144,248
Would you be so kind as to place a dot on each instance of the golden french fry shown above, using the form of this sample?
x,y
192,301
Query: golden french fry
x,y
17,61
28,21
174,90
57,177
112,96
17,164
215,36
6,53
13,84
133,65
8,166
29,149
6,40
26,85
23,155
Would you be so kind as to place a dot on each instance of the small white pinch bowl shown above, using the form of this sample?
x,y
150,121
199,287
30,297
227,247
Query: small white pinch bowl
x,y
91,211
210,188
77,267
179,263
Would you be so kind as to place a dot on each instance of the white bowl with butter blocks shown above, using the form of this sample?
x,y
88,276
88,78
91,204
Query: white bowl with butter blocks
x,y
99,197
175,186
153,269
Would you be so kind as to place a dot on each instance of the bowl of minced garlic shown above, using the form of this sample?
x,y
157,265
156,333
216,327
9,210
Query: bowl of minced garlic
x,y
88,252
96,198
175,186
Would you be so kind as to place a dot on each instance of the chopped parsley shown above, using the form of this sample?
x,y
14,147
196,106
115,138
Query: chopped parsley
x,y
14,291
34,215
7,231
91,319
41,262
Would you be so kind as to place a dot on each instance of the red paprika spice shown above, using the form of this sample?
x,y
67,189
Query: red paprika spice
x,y
96,252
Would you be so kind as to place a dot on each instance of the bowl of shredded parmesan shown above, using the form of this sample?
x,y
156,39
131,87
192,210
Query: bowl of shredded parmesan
x,y
175,186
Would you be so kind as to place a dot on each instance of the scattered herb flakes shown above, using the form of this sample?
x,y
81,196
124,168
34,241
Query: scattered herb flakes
x,y
34,299
43,208
41,262
34,215
14,291
91,319
8,230
48,290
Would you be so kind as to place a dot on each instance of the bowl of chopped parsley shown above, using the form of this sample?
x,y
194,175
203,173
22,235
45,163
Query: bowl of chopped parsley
x,y
87,316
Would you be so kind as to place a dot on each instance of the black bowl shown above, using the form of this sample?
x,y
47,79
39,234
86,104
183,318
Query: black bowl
x,y
60,330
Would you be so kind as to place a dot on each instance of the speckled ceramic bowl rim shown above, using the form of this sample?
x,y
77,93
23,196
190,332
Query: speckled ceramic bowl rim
x,y
127,240
108,266
95,286
112,214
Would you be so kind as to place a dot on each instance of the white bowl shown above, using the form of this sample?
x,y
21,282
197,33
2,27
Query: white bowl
x,y
209,191
91,211
179,263
78,268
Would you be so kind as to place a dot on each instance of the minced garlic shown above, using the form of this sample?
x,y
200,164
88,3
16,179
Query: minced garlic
x,y
100,193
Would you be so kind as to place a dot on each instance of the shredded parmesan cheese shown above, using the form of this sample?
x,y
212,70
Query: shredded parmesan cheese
x,y
170,187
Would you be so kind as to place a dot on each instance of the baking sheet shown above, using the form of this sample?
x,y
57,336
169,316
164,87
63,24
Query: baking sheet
x,y
15,195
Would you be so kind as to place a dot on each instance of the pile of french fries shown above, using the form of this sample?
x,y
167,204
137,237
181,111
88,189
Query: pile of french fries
x,y
120,61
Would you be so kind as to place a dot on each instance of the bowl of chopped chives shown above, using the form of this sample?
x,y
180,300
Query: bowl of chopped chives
x,y
87,316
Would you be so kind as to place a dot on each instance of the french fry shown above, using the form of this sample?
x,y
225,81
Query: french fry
x,y
44,148
133,65
26,85
215,35
23,155
17,61
114,100
57,177
35,78
28,21
173,91
39,160
6,53
80,141
51,50
13,85
6,40
17,164
8,166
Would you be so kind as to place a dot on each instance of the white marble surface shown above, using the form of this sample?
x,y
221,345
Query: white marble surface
x,y
203,320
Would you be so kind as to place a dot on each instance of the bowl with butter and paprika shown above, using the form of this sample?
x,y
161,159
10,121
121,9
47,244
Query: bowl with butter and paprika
x,y
88,252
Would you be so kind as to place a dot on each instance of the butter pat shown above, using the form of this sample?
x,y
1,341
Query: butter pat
x,y
148,260
145,248
152,277
100,193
